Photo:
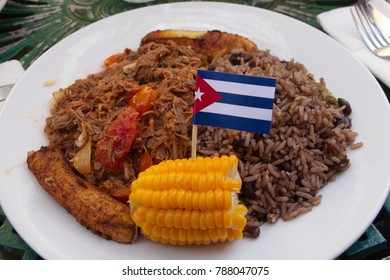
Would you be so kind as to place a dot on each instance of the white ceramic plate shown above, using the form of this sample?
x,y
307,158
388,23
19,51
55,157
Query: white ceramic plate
x,y
349,204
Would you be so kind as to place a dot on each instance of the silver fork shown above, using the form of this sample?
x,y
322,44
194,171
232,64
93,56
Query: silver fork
x,y
370,29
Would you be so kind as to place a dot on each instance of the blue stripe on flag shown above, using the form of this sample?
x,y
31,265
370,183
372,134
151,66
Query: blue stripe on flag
x,y
243,100
226,121
228,77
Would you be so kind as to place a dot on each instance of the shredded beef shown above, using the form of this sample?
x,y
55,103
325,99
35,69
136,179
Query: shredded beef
x,y
83,111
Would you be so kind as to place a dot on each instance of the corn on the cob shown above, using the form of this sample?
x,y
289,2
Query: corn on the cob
x,y
189,201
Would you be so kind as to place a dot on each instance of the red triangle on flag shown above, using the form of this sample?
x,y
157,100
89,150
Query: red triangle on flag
x,y
205,95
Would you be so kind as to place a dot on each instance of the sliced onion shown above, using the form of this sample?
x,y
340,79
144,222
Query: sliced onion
x,y
82,160
57,97
127,69
83,137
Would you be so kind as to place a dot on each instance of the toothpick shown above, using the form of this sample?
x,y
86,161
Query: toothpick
x,y
194,141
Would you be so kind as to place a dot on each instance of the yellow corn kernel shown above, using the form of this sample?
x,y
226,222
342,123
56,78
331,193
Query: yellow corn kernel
x,y
187,219
231,185
223,164
189,201
176,236
182,199
196,181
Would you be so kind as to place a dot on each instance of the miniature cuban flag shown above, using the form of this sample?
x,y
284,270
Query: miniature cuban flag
x,y
234,101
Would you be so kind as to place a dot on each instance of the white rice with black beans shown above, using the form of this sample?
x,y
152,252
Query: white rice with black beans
x,y
282,172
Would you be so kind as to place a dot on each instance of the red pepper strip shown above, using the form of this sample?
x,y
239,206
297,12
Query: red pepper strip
x,y
112,150
122,194
142,98
113,59
145,162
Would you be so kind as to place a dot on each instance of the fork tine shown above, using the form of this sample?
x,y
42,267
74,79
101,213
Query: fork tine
x,y
376,29
367,37
370,30
379,25
362,29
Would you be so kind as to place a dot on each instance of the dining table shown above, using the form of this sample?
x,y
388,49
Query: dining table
x,y
28,28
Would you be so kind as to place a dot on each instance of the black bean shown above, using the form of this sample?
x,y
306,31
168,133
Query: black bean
x,y
238,143
319,146
248,191
252,64
341,166
252,231
286,166
260,217
236,59
348,109
346,121
333,148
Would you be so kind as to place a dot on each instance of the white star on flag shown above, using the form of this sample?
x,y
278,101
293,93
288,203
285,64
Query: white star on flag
x,y
198,94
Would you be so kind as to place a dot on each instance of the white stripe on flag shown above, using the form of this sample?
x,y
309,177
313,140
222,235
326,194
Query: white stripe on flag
x,y
239,111
242,89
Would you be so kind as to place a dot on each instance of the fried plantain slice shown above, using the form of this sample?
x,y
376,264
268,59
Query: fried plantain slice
x,y
91,207
209,44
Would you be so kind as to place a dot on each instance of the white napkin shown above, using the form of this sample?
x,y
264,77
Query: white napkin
x,y
339,24
10,73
